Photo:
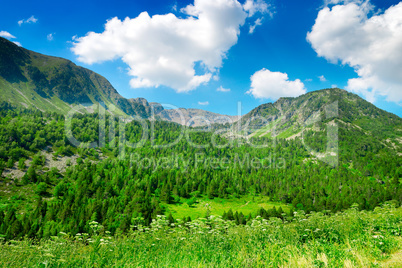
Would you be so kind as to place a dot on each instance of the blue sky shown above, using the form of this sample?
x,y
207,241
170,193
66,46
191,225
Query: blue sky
x,y
276,59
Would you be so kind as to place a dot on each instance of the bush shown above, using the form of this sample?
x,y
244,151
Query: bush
x,y
41,189
21,164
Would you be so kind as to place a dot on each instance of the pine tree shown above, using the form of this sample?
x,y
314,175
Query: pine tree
x,y
230,215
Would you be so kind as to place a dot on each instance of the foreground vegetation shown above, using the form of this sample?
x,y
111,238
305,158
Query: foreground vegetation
x,y
349,239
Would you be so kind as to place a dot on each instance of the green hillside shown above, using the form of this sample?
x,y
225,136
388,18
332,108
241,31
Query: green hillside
x,y
32,80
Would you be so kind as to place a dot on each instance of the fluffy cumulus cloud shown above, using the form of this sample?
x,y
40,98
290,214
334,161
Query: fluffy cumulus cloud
x,y
31,19
351,32
273,85
6,35
165,49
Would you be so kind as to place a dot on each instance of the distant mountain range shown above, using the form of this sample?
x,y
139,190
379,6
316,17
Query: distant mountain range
x,y
195,117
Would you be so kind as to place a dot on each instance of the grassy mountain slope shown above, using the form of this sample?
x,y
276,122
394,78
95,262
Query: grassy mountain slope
x,y
295,117
33,80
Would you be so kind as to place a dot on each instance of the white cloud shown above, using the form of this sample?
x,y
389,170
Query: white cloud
x,y
31,19
256,23
372,45
50,37
337,2
308,80
17,43
222,89
322,78
6,35
164,49
334,86
256,6
204,103
273,85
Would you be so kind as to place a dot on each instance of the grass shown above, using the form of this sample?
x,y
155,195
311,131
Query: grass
x,y
288,132
266,131
30,97
349,239
217,206
260,132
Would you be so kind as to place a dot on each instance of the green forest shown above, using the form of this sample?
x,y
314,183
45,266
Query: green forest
x,y
105,187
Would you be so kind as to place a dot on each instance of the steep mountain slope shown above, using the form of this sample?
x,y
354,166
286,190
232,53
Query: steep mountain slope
x,y
333,124
48,83
289,116
30,79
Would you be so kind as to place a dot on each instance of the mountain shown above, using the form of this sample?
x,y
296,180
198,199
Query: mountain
x,y
30,79
313,117
195,117
48,83
288,116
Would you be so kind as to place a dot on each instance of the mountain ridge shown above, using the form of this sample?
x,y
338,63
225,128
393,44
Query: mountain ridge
x,y
322,116
31,79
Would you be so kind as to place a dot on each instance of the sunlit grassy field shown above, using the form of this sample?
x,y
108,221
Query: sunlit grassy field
x,y
217,206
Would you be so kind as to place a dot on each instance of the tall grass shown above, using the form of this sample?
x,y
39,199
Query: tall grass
x,y
349,239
